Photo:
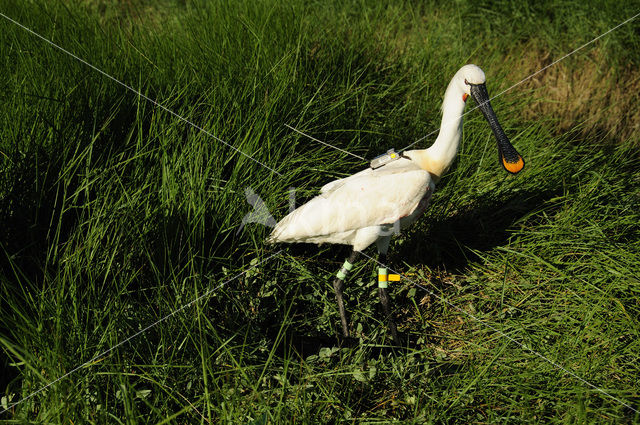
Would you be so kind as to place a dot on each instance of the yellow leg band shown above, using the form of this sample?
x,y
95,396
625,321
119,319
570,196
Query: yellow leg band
x,y
382,277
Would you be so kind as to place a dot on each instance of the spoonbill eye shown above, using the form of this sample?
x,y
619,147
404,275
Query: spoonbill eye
x,y
466,82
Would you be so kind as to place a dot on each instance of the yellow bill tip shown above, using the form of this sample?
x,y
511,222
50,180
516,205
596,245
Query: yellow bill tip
x,y
513,167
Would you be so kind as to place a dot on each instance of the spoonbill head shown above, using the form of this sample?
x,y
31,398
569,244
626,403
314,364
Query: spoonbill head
x,y
469,74
473,80
367,207
469,81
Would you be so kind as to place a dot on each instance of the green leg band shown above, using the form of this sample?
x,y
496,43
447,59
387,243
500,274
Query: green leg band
x,y
346,267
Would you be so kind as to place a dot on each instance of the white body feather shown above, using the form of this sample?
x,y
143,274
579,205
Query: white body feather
x,y
360,209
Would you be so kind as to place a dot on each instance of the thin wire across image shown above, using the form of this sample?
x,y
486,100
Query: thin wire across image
x,y
208,293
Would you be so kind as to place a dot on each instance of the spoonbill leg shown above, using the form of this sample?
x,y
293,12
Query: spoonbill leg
x,y
338,284
383,278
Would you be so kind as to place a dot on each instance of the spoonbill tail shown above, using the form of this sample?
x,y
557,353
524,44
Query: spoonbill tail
x,y
368,206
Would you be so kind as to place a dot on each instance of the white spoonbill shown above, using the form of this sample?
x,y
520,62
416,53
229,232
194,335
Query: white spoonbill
x,y
368,206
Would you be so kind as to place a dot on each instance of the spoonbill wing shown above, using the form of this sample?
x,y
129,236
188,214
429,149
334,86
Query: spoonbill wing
x,y
368,198
400,166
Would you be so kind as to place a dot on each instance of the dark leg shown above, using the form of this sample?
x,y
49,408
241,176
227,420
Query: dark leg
x,y
384,300
338,284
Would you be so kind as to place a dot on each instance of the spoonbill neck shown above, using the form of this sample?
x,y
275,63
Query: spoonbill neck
x,y
438,157
445,148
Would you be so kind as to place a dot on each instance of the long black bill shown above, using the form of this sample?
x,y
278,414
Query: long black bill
x,y
509,157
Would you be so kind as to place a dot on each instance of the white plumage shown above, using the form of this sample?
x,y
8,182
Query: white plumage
x,y
362,208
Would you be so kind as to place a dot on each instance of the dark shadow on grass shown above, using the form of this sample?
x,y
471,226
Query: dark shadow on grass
x,y
449,242
306,345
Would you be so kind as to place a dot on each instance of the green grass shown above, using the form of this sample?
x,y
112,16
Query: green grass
x,y
115,213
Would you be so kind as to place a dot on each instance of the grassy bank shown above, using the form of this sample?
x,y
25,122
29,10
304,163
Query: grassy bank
x,y
116,213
